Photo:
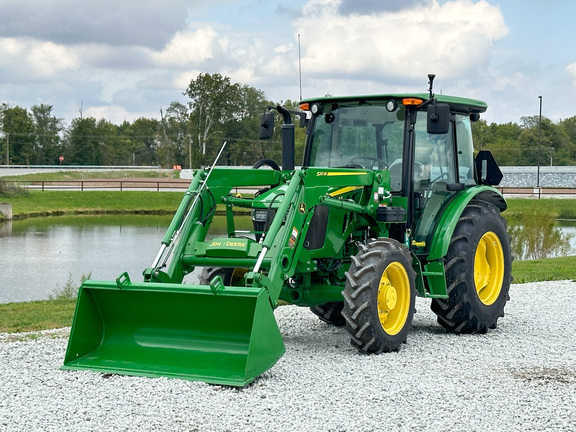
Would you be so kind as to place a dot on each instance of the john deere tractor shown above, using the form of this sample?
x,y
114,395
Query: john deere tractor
x,y
389,203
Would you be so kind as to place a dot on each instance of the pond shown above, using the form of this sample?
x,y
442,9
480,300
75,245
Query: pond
x,y
40,255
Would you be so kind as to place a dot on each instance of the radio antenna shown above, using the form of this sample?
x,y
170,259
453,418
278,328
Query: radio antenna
x,y
300,66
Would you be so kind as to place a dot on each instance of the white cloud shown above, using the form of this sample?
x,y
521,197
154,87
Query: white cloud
x,y
450,40
571,70
35,60
189,47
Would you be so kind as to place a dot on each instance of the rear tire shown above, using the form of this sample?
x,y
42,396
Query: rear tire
x,y
379,296
330,313
478,271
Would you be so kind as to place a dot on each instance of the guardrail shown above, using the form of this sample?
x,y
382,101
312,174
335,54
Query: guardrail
x,y
83,167
104,184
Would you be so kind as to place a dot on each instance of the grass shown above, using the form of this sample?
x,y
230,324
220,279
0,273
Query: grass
x,y
36,315
544,208
50,203
548,269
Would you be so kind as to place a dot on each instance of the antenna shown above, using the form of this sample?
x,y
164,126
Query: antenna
x,y
300,66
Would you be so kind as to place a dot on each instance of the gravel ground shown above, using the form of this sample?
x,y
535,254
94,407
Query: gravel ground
x,y
520,377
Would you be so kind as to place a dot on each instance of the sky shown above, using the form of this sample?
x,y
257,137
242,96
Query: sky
x,y
122,60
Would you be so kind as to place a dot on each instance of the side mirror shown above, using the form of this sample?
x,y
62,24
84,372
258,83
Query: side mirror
x,y
266,126
438,118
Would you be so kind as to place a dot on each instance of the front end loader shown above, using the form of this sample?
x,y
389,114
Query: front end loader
x,y
389,203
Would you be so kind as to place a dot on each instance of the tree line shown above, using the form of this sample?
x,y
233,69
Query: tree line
x,y
190,134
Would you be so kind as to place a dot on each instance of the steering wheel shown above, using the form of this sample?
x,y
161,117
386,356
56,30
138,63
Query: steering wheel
x,y
440,177
370,158
268,162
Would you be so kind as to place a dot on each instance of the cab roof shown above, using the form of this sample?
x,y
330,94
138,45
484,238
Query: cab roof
x,y
456,103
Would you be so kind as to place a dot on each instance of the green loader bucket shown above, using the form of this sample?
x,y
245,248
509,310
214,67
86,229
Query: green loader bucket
x,y
227,337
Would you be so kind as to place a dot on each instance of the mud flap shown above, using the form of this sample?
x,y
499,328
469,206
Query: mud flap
x,y
227,336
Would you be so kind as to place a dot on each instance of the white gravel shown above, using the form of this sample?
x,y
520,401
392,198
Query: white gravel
x,y
520,377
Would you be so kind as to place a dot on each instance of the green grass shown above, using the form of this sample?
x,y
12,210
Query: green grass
x,y
561,268
50,203
544,208
36,315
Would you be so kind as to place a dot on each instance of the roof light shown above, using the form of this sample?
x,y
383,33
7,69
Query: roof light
x,y
391,105
316,109
411,101
305,106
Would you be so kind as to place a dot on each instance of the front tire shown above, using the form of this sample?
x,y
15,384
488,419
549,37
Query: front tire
x,y
330,313
379,296
478,271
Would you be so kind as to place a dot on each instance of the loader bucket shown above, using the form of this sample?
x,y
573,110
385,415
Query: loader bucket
x,y
228,337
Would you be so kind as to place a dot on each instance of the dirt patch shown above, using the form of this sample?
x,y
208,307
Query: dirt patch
x,y
546,375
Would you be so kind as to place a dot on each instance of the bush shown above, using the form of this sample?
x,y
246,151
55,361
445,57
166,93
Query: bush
x,y
11,189
69,291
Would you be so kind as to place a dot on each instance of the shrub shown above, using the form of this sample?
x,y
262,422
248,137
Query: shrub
x,y
11,189
70,290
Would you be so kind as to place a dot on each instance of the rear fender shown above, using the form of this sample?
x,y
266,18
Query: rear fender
x,y
452,213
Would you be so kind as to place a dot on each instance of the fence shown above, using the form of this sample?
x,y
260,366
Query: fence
x,y
104,184
178,185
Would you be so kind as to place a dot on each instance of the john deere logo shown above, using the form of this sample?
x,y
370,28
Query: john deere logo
x,y
302,208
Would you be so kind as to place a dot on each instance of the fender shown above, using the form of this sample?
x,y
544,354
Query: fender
x,y
451,216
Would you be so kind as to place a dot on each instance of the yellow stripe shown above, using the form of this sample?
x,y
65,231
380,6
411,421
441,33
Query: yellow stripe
x,y
345,190
346,173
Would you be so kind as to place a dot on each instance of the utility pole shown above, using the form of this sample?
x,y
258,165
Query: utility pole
x,y
539,142
190,152
7,149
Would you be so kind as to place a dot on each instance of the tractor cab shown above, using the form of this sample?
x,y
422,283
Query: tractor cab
x,y
425,143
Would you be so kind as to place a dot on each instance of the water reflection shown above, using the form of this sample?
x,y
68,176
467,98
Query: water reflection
x,y
39,254
538,238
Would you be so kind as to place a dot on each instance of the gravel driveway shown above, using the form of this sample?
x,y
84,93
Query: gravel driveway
x,y
520,377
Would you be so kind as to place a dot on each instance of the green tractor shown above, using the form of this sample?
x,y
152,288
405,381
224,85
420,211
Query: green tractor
x,y
389,203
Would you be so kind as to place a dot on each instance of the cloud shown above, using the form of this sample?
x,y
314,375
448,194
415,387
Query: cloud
x,y
189,47
367,7
451,40
24,59
68,22
571,71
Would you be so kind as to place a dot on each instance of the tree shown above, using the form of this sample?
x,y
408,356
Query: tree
x,y
213,102
143,138
83,142
176,140
553,140
18,141
46,133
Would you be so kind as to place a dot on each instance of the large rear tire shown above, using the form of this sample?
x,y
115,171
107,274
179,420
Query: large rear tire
x,y
478,271
379,296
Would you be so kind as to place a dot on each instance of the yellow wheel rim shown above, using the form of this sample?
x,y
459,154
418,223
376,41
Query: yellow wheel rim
x,y
489,268
393,298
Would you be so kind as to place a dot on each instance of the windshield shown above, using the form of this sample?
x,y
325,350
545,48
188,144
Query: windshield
x,y
358,136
